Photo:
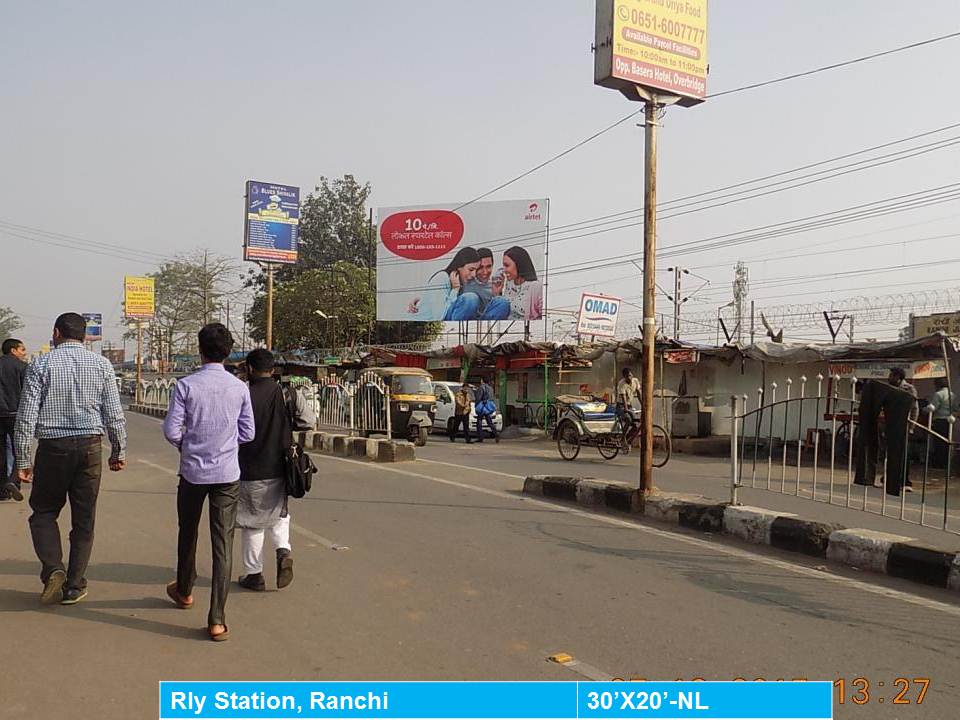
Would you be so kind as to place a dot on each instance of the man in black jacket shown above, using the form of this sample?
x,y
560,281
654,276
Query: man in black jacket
x,y
13,370
262,506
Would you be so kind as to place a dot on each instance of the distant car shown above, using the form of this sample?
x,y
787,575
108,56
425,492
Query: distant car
x,y
444,392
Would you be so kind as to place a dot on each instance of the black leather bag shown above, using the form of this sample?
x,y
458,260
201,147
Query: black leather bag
x,y
299,466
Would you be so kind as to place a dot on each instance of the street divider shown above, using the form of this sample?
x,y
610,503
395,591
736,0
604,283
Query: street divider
x,y
381,450
893,555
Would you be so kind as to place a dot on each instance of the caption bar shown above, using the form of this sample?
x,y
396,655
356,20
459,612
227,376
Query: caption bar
x,y
521,700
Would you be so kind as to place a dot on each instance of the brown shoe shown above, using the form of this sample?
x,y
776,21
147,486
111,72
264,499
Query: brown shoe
x,y
284,568
184,603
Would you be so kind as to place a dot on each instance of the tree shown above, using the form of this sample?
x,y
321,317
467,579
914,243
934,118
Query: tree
x,y
9,322
335,225
190,291
335,273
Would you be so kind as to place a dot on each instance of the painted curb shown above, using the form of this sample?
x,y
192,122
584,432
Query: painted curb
x,y
894,555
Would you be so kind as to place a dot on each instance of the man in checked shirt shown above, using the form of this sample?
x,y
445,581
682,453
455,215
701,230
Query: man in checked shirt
x,y
69,402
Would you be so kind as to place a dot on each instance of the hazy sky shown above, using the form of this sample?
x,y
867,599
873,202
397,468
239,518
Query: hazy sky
x,y
136,125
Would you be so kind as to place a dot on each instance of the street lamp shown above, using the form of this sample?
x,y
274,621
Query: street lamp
x,y
328,318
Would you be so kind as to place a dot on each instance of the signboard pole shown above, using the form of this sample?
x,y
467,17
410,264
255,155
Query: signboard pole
x,y
136,392
269,268
649,291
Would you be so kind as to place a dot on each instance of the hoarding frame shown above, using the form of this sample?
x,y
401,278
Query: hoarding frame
x,y
610,70
271,255
592,331
141,284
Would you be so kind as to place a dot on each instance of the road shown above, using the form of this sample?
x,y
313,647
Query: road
x,y
439,570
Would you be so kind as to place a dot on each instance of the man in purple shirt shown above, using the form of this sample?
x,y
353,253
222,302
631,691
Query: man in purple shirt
x,y
209,416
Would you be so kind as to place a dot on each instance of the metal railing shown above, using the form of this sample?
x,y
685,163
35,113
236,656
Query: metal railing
x,y
358,407
818,461
156,392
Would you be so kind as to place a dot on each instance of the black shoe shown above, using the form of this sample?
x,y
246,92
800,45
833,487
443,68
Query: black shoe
x,y
53,588
253,582
284,568
72,596
496,439
12,492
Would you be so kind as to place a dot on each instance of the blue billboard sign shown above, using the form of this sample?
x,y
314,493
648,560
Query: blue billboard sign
x,y
94,326
271,222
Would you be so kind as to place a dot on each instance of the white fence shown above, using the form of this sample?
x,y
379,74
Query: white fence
x,y
358,407
830,465
156,392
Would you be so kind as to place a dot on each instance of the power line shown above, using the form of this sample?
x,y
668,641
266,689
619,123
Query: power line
x,y
673,207
743,88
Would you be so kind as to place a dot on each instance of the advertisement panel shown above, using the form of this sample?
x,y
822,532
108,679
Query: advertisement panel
x,y
880,369
271,222
483,261
138,297
94,326
598,315
947,323
659,44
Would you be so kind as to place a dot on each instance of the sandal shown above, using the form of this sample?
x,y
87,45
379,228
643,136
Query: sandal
x,y
220,636
184,603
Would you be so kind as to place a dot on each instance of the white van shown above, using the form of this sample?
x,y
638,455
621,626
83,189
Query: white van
x,y
444,392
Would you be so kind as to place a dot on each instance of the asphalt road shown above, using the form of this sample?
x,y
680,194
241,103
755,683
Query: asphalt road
x,y
440,570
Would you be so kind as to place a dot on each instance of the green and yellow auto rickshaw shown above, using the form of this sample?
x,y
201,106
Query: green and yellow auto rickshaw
x,y
412,403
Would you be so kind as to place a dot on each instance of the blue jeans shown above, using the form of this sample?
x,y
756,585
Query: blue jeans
x,y
497,309
464,307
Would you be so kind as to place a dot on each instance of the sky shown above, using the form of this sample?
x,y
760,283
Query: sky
x,y
136,125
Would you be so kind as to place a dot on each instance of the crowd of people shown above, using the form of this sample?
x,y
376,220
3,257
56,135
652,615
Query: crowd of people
x,y
484,407
233,439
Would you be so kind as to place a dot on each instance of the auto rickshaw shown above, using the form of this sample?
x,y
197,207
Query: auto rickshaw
x,y
413,404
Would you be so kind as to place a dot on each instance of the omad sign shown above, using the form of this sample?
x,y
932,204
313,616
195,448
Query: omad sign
x,y
598,315
421,234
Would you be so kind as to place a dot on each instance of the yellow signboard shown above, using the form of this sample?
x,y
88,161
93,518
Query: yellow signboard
x,y
658,44
947,323
138,297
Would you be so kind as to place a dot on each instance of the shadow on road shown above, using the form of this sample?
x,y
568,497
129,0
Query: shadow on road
x,y
129,573
19,601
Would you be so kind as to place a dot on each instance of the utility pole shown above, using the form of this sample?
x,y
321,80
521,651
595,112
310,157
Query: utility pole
x,y
752,323
269,323
203,279
136,392
649,290
741,287
243,339
370,262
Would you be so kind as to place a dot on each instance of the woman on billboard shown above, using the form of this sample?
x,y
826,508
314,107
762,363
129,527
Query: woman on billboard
x,y
444,297
520,285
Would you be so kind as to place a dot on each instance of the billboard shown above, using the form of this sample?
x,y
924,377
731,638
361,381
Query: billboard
x,y
94,326
947,323
271,222
480,261
138,297
880,369
659,44
598,315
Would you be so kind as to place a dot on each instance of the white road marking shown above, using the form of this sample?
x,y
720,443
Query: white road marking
x,y
676,537
309,534
588,671
467,467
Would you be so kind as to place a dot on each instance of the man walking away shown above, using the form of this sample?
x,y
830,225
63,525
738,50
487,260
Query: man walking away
x,y
209,416
69,402
485,408
263,485
898,379
461,413
941,408
13,370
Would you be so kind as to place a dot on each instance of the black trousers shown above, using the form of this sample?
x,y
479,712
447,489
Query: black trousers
x,y
7,474
65,469
489,419
223,519
895,405
456,423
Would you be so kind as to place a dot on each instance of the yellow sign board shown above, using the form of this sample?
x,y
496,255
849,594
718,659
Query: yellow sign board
x,y
947,323
138,297
658,44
